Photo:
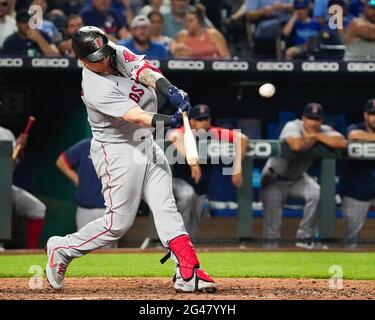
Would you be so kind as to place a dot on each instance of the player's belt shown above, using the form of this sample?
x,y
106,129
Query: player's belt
x,y
277,175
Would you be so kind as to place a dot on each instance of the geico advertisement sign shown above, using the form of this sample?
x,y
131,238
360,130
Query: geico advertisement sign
x,y
361,67
320,66
274,66
260,149
186,65
11,62
50,63
361,150
230,66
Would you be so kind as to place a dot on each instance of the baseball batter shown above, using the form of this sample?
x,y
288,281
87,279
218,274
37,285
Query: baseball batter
x,y
282,177
358,188
118,89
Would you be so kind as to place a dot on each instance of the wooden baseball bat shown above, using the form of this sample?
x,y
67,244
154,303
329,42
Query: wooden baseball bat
x,y
17,149
191,151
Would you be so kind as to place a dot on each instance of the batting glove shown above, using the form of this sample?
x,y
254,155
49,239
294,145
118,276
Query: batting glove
x,y
178,99
176,119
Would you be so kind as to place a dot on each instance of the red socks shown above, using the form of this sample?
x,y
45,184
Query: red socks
x,y
34,229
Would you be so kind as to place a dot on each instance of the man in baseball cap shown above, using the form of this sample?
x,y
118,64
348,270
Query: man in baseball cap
x,y
370,107
300,29
313,111
358,182
285,177
141,43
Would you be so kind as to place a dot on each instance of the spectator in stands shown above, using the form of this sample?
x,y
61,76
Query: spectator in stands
x,y
47,26
7,23
321,10
360,36
358,188
174,20
300,28
101,15
23,202
73,23
155,5
156,27
284,177
235,29
201,42
76,164
268,16
215,11
190,183
140,42
347,18
28,42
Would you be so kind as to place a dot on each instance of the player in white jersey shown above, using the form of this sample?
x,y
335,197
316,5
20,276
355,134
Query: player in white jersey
x,y
118,89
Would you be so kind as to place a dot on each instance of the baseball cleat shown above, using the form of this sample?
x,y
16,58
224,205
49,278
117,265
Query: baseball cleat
x,y
56,264
200,282
307,245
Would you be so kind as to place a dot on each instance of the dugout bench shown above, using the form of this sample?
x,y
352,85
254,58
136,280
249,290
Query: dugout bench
x,y
6,172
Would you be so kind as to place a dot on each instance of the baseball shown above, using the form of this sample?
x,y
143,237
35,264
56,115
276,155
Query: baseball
x,y
267,90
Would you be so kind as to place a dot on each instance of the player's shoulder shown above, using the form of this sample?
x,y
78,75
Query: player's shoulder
x,y
294,124
125,54
357,126
6,134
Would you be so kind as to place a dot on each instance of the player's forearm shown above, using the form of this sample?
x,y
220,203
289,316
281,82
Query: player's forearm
x,y
147,119
139,116
301,143
336,142
361,135
71,174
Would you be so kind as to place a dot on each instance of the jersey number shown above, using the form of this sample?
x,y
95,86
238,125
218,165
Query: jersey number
x,y
136,94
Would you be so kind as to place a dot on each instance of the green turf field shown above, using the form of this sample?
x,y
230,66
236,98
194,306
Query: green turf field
x,y
226,264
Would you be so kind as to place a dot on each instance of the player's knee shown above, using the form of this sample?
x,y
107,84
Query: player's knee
x,y
313,195
117,231
38,211
189,194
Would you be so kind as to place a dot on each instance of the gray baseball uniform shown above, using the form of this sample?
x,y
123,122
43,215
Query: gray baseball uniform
x,y
130,167
283,178
23,202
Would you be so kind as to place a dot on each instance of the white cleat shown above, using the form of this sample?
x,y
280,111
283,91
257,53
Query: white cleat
x,y
305,245
200,282
56,264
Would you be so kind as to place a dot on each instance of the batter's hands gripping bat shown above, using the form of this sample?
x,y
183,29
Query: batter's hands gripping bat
x,y
192,157
18,148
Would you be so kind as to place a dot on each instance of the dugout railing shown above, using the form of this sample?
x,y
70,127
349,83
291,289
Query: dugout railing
x,y
6,171
264,149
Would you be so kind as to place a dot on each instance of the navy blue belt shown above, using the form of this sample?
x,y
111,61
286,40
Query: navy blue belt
x,y
277,175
